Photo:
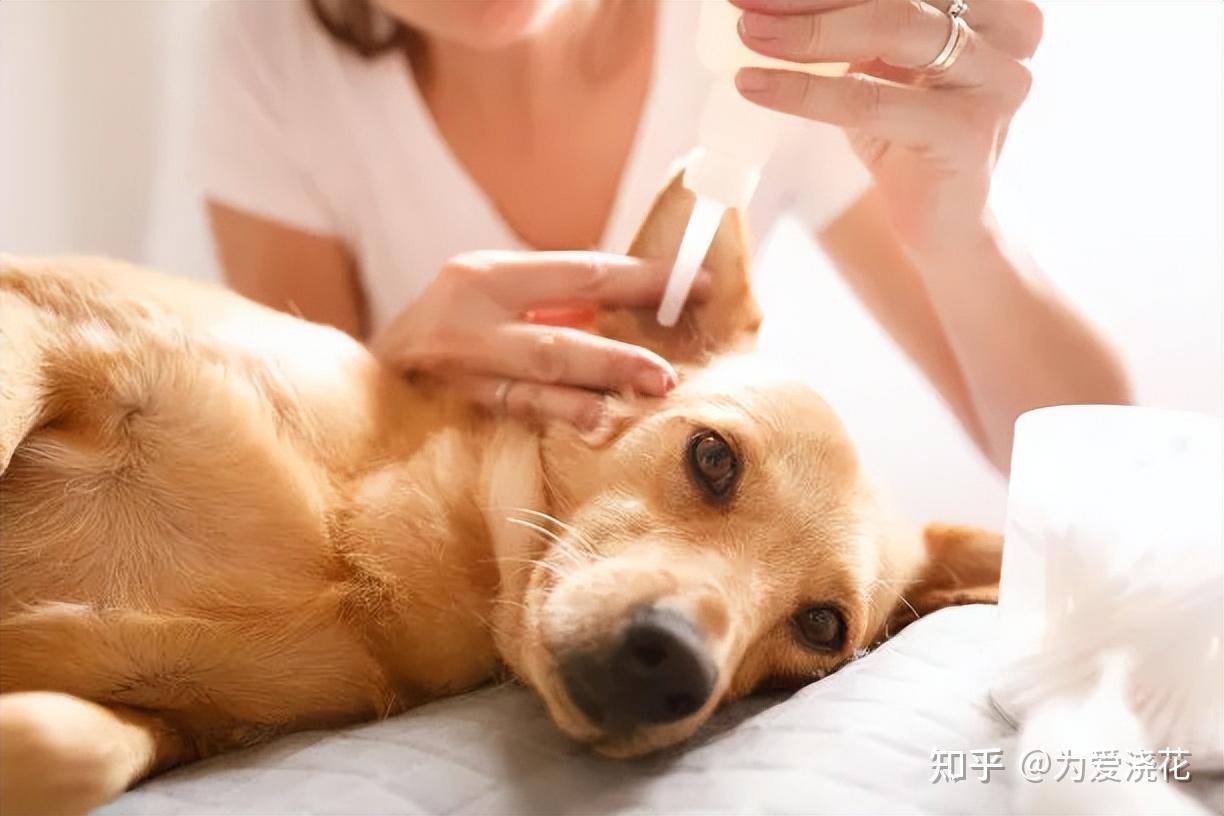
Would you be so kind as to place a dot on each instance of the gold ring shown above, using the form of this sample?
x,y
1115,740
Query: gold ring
x,y
958,38
501,394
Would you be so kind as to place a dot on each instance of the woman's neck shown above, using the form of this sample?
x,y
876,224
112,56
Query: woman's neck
x,y
584,43
549,120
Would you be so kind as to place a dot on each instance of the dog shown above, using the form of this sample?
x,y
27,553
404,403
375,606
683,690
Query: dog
x,y
221,523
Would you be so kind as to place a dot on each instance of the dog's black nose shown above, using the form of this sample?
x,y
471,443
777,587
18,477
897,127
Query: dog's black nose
x,y
658,671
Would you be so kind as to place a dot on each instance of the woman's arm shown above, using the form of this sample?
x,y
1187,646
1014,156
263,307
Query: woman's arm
x,y
927,106
308,275
992,337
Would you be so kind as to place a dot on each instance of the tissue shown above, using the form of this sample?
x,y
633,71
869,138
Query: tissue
x,y
1113,544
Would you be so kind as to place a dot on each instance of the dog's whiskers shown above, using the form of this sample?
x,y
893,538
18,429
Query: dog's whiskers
x,y
569,528
535,562
890,586
558,543
510,602
565,547
577,542
531,525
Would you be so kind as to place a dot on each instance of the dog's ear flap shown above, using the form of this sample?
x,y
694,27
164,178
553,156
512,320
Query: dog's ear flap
x,y
726,320
962,566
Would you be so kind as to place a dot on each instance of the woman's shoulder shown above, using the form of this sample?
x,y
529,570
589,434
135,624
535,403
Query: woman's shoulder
x,y
266,21
267,125
276,39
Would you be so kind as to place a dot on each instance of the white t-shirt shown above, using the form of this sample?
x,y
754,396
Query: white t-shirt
x,y
298,129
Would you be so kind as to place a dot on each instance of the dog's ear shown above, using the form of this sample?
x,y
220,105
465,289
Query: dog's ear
x,y
726,320
961,566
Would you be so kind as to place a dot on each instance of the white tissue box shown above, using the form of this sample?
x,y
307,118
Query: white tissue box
x,y
1114,537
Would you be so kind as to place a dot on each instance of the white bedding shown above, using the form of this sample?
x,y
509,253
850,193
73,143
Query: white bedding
x,y
859,741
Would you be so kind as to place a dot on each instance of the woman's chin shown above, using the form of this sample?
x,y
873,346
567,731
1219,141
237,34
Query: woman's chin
x,y
483,25
503,23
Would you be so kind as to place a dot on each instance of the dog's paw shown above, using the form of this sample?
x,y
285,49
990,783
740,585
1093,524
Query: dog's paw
x,y
48,766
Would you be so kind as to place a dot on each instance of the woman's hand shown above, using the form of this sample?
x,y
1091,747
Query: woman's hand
x,y
500,327
929,140
985,327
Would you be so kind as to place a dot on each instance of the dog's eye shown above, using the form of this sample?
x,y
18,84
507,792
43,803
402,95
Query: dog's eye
x,y
821,628
712,464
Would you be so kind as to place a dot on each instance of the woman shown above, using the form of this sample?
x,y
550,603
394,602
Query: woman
x,y
412,171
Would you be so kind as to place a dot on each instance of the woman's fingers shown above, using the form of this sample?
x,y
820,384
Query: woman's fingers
x,y
887,109
1013,26
901,33
514,316
559,356
583,409
859,102
525,280
792,6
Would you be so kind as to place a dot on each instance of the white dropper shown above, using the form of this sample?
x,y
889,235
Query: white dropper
x,y
736,140
698,235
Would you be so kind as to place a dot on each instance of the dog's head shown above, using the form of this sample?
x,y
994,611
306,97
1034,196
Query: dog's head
x,y
706,544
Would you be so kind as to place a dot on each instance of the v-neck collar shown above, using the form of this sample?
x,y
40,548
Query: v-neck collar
x,y
413,126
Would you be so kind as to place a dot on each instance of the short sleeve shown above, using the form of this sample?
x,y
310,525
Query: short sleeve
x,y
823,172
253,137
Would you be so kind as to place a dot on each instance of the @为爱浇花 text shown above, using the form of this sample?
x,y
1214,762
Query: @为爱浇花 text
x,y
1164,765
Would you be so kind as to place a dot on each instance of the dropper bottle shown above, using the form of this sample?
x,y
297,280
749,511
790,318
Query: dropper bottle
x,y
736,138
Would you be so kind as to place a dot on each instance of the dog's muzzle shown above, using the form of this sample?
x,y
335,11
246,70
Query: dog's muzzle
x,y
657,670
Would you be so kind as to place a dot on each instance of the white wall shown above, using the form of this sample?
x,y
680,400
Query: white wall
x,y
1112,175
95,123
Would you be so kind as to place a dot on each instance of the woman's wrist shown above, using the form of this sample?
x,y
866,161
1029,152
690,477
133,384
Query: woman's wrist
x,y
978,257
982,288
970,244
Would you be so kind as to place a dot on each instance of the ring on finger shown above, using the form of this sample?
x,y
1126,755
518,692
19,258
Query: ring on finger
x,y
958,38
502,395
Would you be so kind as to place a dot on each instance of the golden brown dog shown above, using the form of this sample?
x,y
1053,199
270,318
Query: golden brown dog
x,y
221,523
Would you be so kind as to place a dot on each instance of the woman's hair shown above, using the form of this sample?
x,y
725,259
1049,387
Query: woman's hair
x,y
367,30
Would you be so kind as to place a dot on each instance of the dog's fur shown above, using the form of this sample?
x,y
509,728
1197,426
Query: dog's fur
x,y
221,523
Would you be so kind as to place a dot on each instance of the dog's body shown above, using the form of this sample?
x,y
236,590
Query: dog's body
x,y
186,488
220,523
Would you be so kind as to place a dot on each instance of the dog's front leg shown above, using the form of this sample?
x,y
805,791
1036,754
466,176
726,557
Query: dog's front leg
x,y
63,756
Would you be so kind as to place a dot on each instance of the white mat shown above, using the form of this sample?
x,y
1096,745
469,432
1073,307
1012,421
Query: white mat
x,y
859,741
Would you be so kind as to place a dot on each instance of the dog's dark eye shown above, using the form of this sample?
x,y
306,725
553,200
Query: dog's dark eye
x,y
712,464
821,628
